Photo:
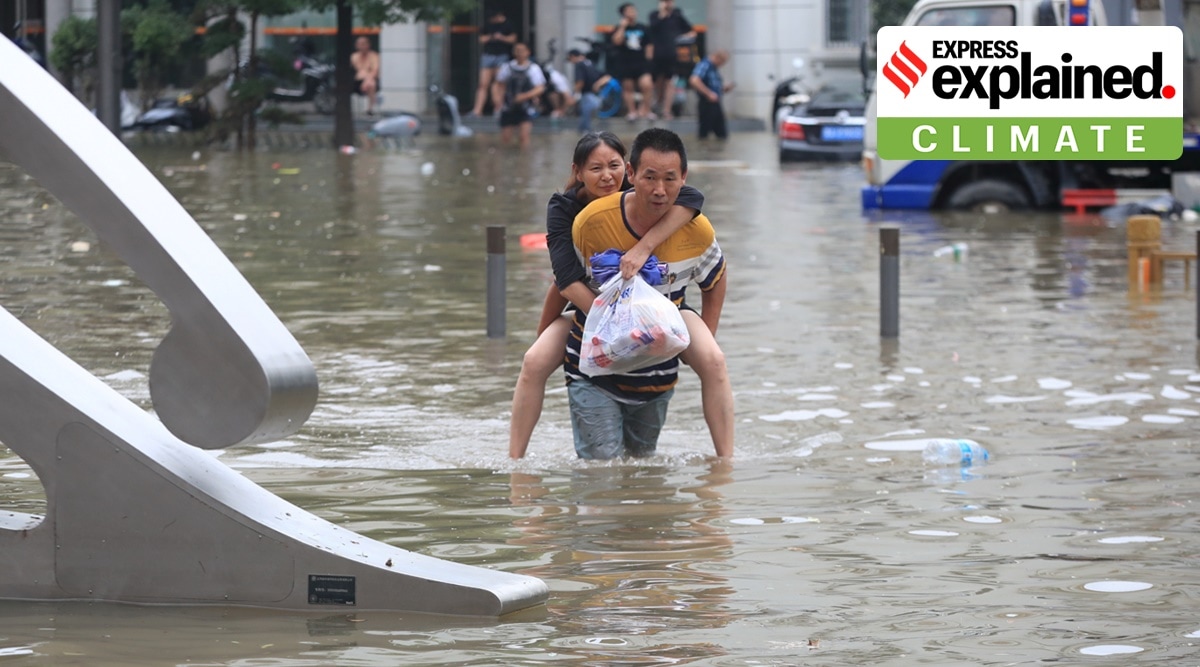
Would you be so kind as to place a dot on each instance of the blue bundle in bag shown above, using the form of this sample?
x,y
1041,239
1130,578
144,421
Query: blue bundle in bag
x,y
607,264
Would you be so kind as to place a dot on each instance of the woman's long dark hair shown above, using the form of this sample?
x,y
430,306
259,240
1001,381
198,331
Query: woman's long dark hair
x,y
583,150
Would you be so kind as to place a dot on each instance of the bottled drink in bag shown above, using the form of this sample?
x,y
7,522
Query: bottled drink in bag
x,y
954,451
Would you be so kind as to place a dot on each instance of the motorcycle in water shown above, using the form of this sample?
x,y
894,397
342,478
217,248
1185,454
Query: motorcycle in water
x,y
449,121
182,113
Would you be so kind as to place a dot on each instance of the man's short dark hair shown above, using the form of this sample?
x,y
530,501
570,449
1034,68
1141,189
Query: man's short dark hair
x,y
658,139
623,7
574,52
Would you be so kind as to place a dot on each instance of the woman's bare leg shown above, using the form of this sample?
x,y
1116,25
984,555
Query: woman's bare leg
x,y
540,362
705,357
486,76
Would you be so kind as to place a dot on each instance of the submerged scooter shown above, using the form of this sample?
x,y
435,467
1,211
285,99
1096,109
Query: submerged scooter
x,y
449,120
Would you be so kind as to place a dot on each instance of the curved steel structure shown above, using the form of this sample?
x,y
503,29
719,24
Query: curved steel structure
x,y
135,513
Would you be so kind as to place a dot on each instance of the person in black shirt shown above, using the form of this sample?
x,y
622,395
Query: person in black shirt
x,y
630,66
667,26
497,38
588,82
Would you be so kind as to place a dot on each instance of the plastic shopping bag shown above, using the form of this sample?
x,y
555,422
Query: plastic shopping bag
x,y
631,326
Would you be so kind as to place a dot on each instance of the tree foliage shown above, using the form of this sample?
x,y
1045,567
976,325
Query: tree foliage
x,y
73,52
155,35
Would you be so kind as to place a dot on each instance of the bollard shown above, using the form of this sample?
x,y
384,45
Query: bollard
x,y
889,282
495,281
1143,238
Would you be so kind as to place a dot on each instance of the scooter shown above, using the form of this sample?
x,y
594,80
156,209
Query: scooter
x,y
449,120
791,94
317,84
182,113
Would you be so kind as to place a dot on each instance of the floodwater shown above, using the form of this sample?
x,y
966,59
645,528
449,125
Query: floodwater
x,y
826,542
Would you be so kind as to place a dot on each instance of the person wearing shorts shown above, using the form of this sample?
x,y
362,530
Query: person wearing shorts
x,y
630,66
622,415
519,84
497,38
667,26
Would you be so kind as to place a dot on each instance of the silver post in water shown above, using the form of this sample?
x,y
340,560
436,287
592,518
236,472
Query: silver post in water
x,y
889,282
495,281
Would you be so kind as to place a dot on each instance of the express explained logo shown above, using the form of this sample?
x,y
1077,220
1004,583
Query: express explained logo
x,y
899,69
1030,93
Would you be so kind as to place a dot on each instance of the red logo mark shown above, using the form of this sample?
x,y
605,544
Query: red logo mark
x,y
900,69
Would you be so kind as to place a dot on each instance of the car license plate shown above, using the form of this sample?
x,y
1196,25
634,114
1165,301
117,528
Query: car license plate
x,y
842,133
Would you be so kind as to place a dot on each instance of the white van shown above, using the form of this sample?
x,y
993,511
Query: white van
x,y
999,185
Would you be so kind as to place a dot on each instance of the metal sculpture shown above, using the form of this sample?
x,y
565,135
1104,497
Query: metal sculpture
x,y
135,512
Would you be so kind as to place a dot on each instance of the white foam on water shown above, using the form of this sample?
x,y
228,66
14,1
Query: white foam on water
x,y
875,405
878,459
1184,412
1053,383
804,415
895,378
924,383
124,376
748,521
1002,399
897,445
843,365
1194,634
1110,649
1162,419
983,519
1004,378
1097,423
912,370
816,397
800,519
971,379
1135,376
1128,397
1117,586
1180,371
933,533
1130,539
880,387
1079,393
17,475
1170,391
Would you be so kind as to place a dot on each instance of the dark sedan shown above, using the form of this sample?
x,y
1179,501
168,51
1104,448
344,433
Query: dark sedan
x,y
829,126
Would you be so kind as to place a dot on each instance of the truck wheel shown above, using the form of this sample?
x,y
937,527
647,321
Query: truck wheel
x,y
989,196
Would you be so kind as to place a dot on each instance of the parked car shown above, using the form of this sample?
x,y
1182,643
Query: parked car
x,y
829,126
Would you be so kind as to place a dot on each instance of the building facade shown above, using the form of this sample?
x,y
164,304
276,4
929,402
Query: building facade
x,y
765,39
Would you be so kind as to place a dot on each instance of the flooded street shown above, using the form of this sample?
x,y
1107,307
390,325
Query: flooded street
x,y
827,541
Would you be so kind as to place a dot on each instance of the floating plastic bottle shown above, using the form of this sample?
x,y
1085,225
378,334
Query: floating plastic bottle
x,y
952,451
957,250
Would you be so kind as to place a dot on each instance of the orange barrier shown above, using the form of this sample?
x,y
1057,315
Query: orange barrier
x,y
534,241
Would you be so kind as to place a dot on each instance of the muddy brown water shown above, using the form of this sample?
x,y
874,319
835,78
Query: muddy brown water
x,y
827,541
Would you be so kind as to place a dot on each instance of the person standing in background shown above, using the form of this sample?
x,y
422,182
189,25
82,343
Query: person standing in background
x,y
667,26
365,62
630,66
497,38
706,79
